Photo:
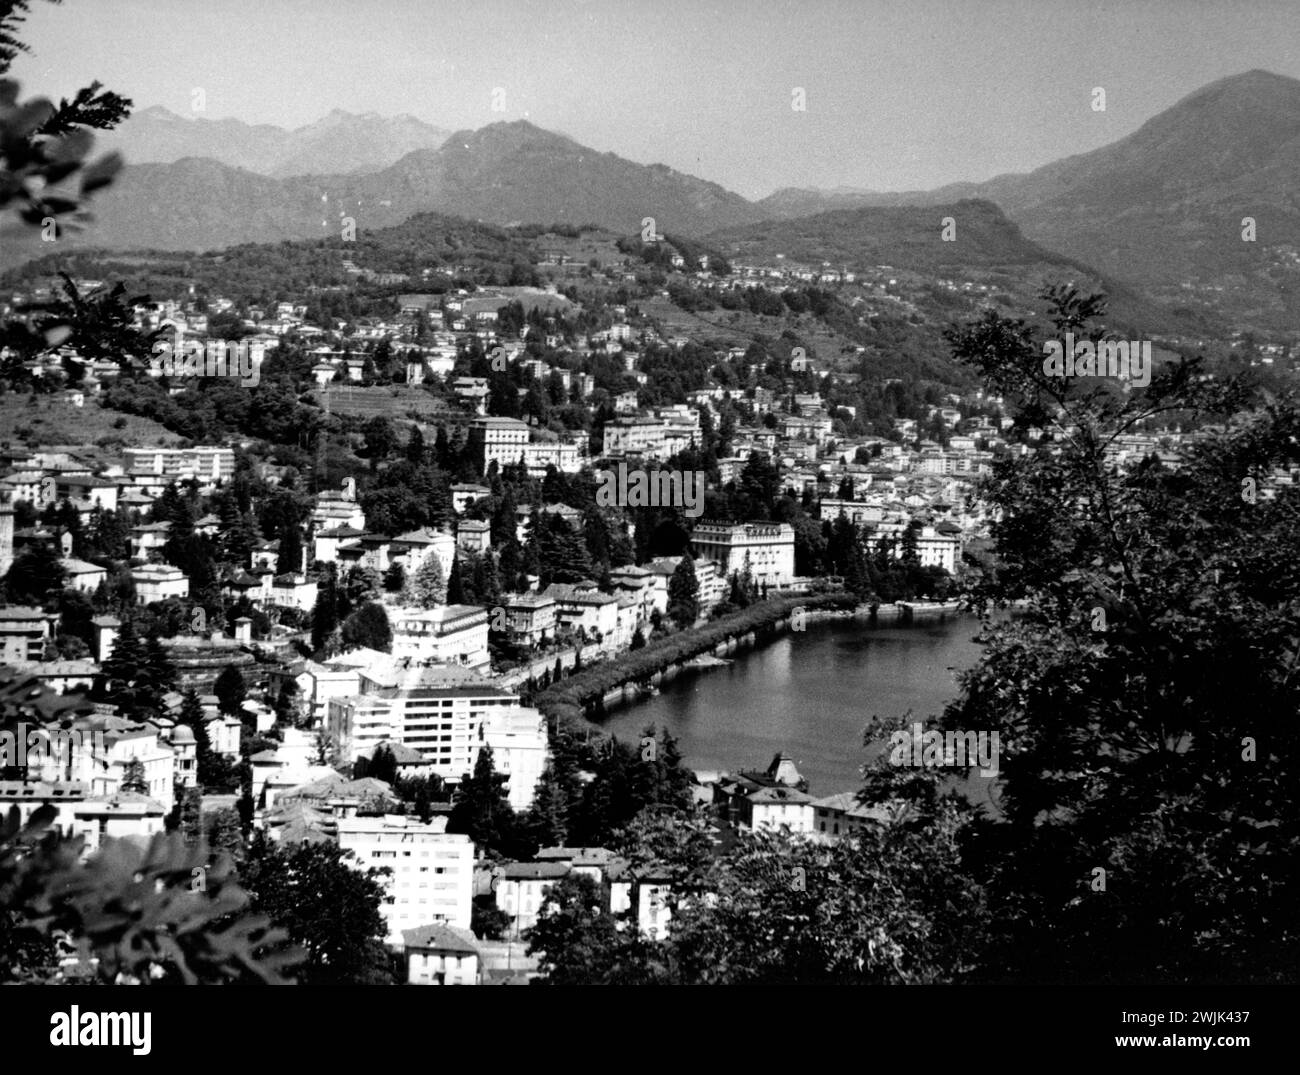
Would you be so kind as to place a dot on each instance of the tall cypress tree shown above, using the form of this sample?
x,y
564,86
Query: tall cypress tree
x,y
684,594
325,613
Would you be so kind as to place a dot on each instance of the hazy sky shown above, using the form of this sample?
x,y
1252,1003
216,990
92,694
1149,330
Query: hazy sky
x,y
900,95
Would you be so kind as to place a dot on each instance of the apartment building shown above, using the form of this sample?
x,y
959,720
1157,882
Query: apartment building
x,y
206,465
439,711
432,876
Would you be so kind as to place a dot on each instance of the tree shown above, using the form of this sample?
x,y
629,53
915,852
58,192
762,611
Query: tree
x,y
455,583
481,808
325,613
382,765
427,588
230,690
395,577
157,674
487,921
222,831
1148,689
326,904
369,627
133,778
289,558
548,820
684,594
122,667
36,575
578,941
380,439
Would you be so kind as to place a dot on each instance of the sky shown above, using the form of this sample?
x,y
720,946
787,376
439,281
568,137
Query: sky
x,y
899,95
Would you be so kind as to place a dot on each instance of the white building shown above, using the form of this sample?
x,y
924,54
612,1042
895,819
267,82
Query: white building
x,y
432,879
447,714
765,550
207,465
157,582
517,736
448,634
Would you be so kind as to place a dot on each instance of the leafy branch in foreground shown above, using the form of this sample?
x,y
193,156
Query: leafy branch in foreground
x,y
137,913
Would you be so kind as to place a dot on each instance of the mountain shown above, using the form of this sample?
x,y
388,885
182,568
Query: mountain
x,y
1163,207
1166,203
511,172
339,143
504,173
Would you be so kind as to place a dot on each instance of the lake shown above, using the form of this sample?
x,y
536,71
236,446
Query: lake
x,y
810,694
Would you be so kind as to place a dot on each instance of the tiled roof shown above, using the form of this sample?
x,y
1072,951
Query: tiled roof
x,y
441,938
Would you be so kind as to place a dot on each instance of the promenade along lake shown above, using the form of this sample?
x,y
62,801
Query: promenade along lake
x,y
810,694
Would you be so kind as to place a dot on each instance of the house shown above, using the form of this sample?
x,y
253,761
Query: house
x,y
440,955
293,590
530,619
147,538
521,888
841,815
80,575
769,799
589,611
157,582
474,535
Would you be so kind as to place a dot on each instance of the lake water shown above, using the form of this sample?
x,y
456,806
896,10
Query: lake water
x,y
810,694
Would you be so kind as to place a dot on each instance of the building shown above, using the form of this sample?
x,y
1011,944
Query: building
x,y
521,888
440,955
587,610
636,436
507,441
517,738
440,711
414,548
80,575
498,440
432,877
765,550
157,582
207,465
935,549
530,619
24,632
448,634
842,815
474,535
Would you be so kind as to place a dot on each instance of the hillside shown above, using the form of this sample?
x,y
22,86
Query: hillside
x,y
988,248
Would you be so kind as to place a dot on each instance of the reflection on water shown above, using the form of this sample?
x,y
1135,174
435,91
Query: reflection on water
x,y
810,695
